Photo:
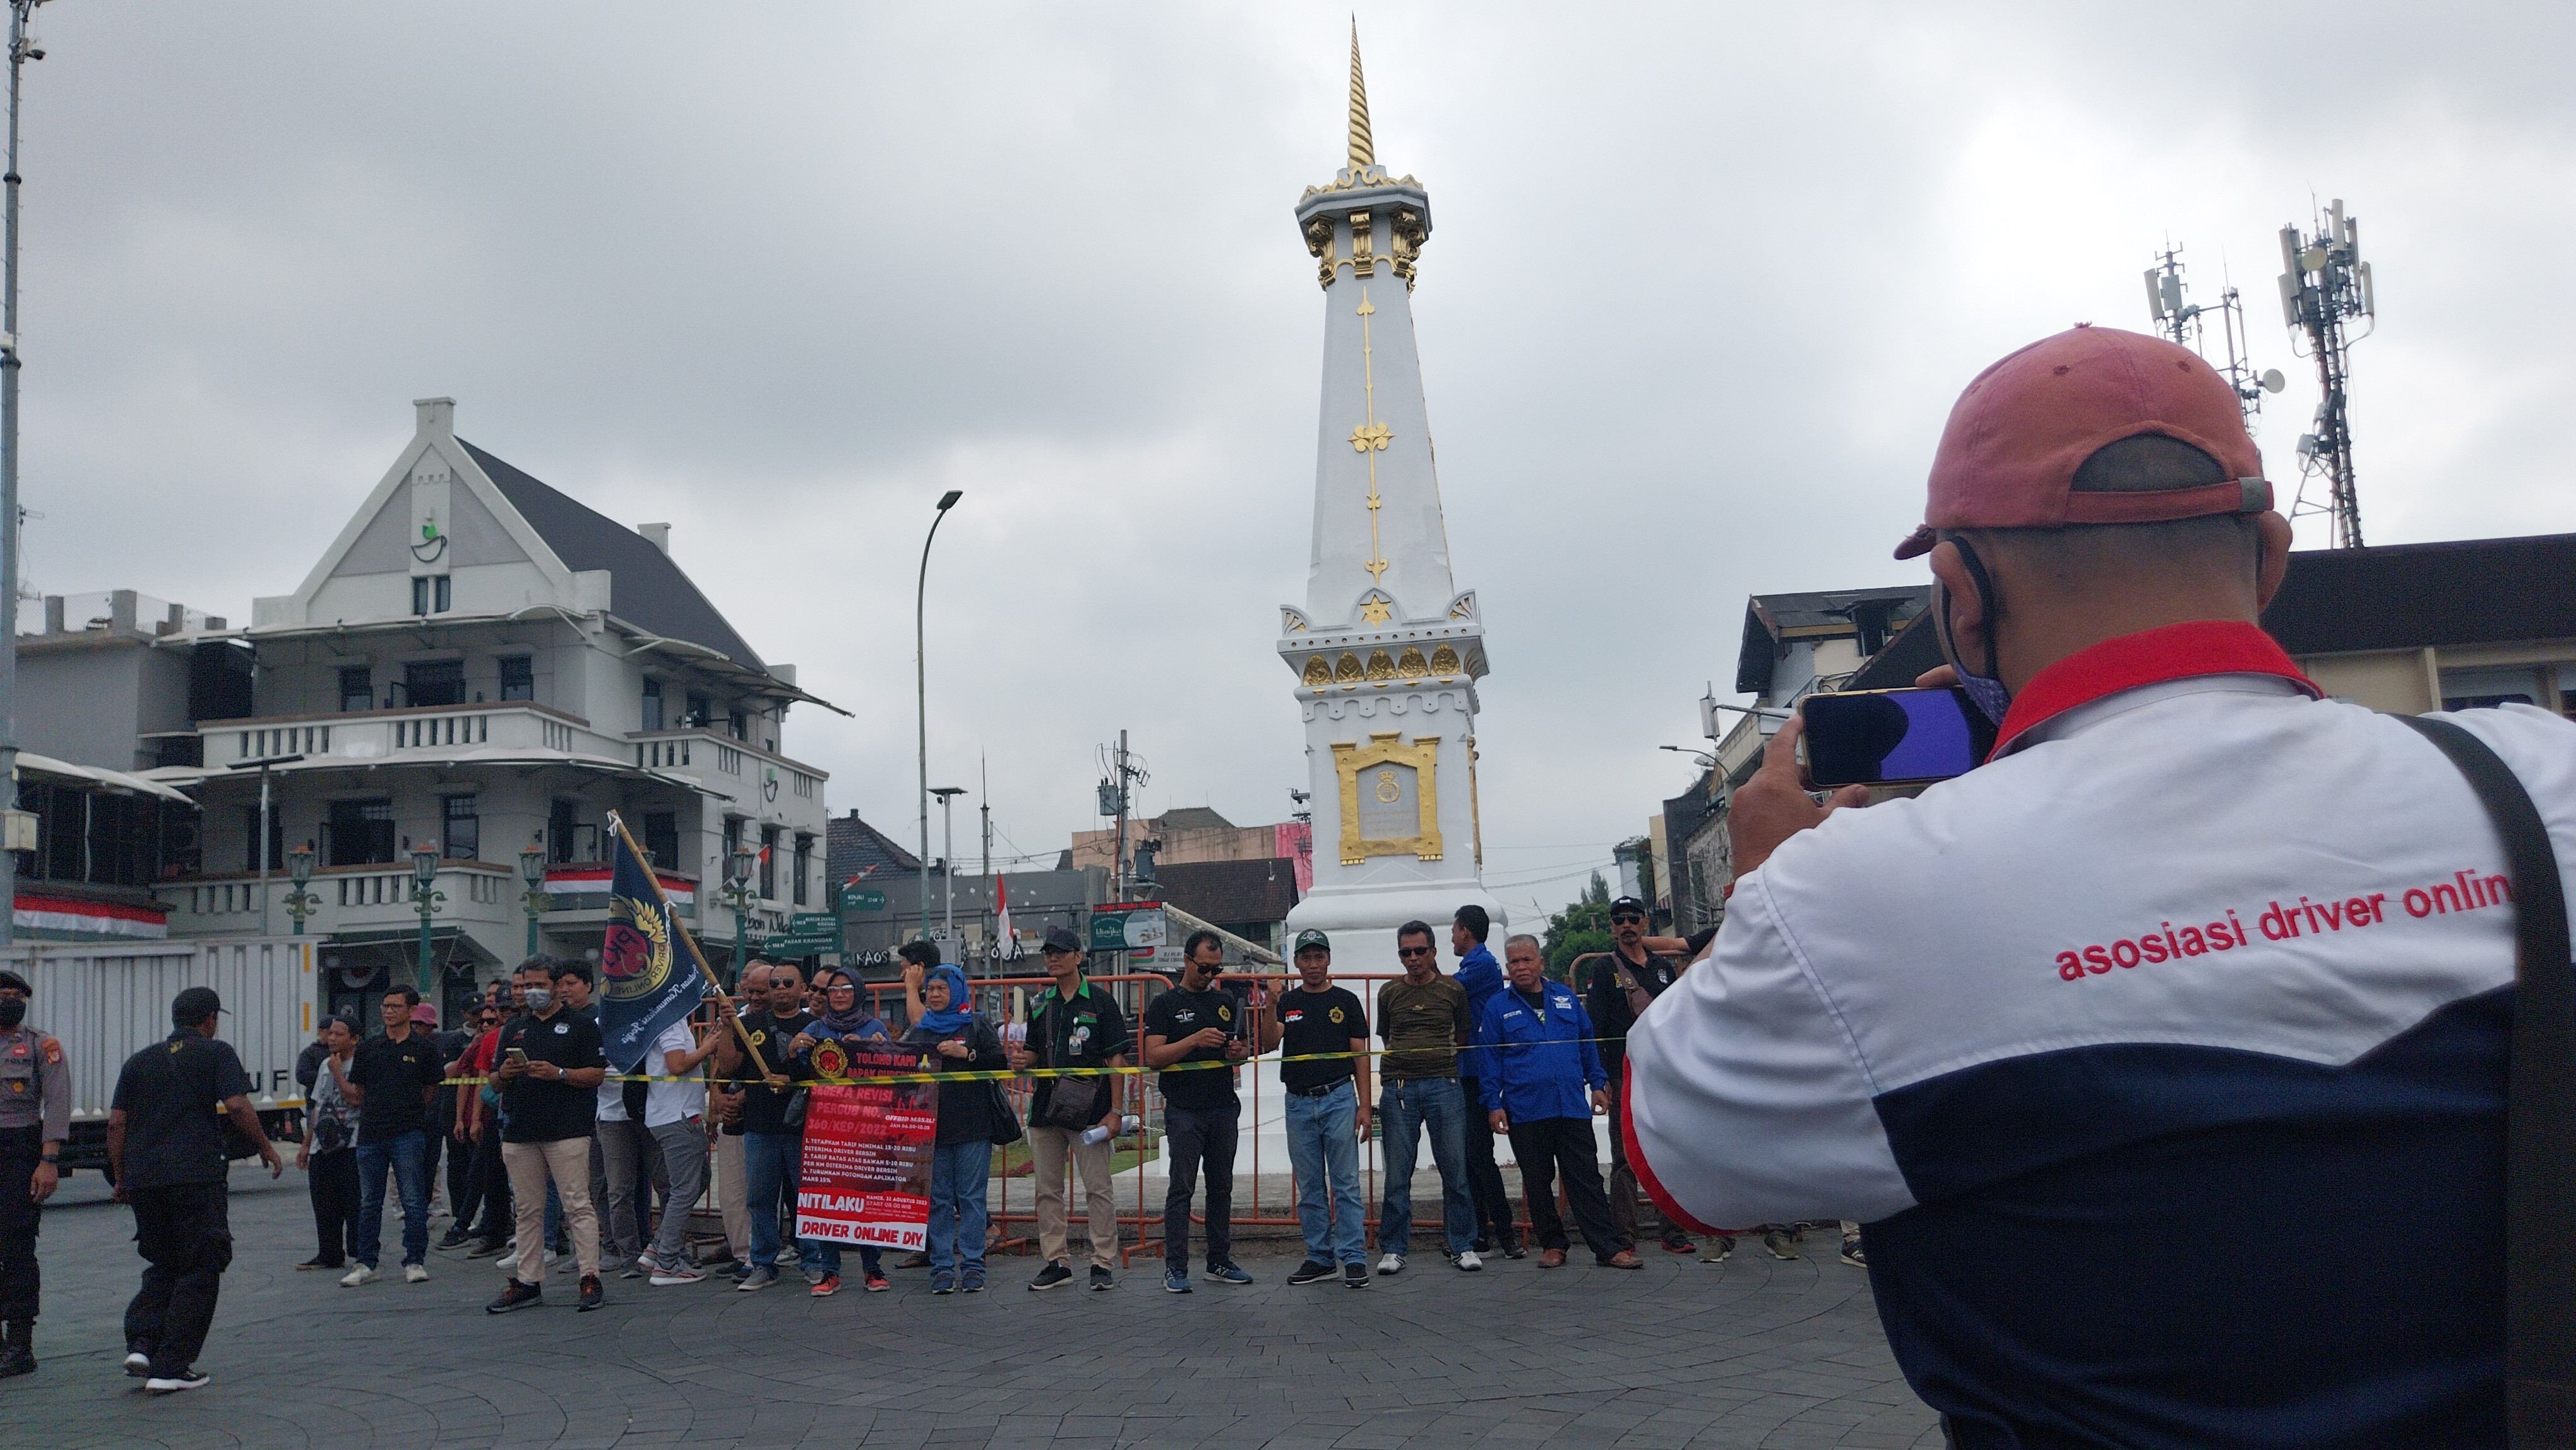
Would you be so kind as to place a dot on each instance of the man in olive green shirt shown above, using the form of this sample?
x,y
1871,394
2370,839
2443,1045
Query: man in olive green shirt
x,y
1423,1018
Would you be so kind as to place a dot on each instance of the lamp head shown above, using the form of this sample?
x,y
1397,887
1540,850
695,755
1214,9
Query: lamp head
x,y
424,865
299,865
743,859
949,499
532,866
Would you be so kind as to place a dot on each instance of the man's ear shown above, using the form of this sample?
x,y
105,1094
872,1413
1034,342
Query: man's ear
x,y
1959,594
2272,558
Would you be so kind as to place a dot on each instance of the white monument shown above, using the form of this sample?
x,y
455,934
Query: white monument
x,y
1386,648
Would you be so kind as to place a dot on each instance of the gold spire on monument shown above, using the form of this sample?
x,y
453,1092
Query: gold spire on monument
x,y
1363,150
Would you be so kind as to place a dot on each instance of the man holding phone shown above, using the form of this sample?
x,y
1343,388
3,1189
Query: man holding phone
x,y
2066,1002
551,1066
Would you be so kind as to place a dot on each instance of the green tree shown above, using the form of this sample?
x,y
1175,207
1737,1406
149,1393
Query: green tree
x,y
1581,927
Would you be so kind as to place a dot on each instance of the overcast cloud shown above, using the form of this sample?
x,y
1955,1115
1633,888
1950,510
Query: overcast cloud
x,y
1704,281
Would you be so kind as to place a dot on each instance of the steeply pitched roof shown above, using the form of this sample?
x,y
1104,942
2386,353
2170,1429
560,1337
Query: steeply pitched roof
x,y
1229,893
2407,596
1769,618
650,591
851,845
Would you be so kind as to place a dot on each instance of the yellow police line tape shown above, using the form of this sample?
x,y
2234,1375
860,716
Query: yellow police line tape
x,y
1007,1074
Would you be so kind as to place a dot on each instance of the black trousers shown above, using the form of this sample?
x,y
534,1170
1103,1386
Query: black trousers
x,y
1192,1136
1485,1176
21,1149
492,1192
185,1236
1546,1148
332,1181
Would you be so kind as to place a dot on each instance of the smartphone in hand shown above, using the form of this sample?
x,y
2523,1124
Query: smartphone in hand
x,y
1892,737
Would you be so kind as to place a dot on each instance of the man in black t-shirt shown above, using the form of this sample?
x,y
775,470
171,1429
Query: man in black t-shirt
x,y
549,1067
1200,1022
1622,983
391,1079
1328,1112
725,1097
772,1151
1072,1024
166,1156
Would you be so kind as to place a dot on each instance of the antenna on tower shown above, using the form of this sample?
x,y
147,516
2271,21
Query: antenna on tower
x,y
2182,322
2324,286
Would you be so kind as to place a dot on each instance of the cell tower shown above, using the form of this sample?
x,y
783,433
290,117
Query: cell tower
x,y
2181,321
2325,286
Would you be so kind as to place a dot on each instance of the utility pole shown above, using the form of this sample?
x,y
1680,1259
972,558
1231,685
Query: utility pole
x,y
948,795
22,48
2324,284
1118,873
985,775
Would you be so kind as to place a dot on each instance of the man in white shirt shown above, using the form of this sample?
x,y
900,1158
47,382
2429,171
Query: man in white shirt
x,y
674,1117
2162,1056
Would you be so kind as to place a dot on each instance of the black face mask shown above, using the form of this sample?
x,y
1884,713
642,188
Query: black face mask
x,y
13,1010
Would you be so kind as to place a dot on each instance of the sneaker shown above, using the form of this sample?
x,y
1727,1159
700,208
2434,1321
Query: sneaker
x,y
171,1384
876,1282
826,1286
1228,1272
592,1296
943,1282
972,1283
757,1280
1853,1255
138,1364
1053,1276
1680,1244
1780,1244
1482,1245
483,1250
667,1276
1176,1281
359,1275
816,1277
1514,1250
515,1296
638,1267
1310,1272
1719,1250
1100,1278
734,1271
1391,1264
311,1264
453,1240
415,1273
1467,1262
1355,1276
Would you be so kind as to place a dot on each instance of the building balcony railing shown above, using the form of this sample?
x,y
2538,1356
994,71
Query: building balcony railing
x,y
391,734
345,898
700,750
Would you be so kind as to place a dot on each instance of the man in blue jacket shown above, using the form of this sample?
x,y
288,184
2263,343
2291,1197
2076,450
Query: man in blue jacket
x,y
1539,1065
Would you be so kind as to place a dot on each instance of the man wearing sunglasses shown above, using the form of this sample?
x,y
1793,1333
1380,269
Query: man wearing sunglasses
x,y
1423,1017
1622,986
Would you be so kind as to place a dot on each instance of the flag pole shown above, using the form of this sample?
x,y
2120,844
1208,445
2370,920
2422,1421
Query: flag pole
x,y
619,826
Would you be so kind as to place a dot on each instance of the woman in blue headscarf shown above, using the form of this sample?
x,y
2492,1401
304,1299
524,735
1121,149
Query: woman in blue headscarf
x,y
953,1038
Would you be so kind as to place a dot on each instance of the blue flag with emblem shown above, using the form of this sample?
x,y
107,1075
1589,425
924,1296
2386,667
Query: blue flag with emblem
x,y
645,987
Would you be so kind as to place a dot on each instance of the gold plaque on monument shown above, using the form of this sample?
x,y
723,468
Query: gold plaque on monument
x,y
1390,798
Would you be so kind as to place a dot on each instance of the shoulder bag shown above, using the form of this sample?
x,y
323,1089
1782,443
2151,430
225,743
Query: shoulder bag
x,y
2540,1110
1073,1103
1006,1123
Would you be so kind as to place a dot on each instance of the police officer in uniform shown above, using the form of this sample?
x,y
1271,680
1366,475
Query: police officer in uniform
x,y
35,1113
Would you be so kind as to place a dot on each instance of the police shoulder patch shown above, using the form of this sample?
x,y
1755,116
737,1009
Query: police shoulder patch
x,y
53,1050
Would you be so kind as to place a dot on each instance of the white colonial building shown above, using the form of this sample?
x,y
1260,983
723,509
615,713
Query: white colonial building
x,y
481,665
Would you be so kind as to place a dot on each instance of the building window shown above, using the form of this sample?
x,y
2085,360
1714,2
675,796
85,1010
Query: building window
x,y
804,861
732,843
561,828
652,704
357,688
460,835
429,594
361,833
769,863
738,725
2485,689
250,839
662,837
434,682
518,677
702,711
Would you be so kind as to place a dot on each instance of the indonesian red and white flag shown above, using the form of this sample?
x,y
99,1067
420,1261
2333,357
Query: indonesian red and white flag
x,y
1002,918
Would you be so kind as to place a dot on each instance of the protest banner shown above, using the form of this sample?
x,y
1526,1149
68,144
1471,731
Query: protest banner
x,y
868,1147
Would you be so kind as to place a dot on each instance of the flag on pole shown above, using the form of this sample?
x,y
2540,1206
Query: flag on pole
x,y
644,987
1007,944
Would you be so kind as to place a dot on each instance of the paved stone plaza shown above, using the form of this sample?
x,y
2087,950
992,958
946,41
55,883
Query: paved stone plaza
x,y
1754,1353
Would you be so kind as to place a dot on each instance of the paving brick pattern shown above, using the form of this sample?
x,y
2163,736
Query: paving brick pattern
x,y
1754,1353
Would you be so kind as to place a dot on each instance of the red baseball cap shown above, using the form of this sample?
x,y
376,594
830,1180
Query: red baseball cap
x,y
424,1014
2016,436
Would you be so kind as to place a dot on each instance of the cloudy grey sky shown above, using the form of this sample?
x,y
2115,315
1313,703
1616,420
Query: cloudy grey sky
x,y
1705,280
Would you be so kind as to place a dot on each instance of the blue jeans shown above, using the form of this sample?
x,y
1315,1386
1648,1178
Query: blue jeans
x,y
769,1164
408,1156
1323,1148
1403,1110
961,1175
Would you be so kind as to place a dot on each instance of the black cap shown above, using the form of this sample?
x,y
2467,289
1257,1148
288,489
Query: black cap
x,y
1629,903
193,1006
12,979
1061,939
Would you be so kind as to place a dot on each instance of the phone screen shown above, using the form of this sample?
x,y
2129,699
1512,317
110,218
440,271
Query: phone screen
x,y
1893,737
516,1057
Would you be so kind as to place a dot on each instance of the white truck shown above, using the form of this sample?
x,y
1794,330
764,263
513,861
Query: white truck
x,y
107,1001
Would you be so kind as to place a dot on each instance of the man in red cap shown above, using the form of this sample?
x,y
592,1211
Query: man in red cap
x,y
2171,1118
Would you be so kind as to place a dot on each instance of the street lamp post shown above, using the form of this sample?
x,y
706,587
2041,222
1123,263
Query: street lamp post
x,y
22,48
948,795
921,692
737,894
537,900
425,898
300,903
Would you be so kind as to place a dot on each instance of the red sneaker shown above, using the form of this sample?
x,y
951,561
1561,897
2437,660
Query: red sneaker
x,y
827,1286
877,1282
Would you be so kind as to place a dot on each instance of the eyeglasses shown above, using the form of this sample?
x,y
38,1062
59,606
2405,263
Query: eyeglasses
x,y
1624,918
842,989
1415,952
